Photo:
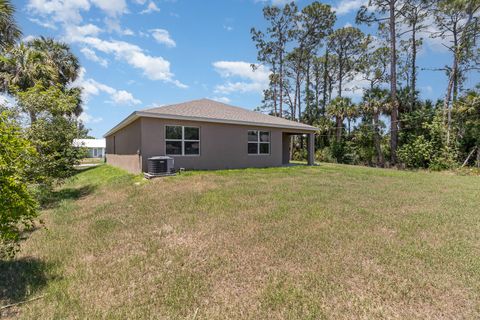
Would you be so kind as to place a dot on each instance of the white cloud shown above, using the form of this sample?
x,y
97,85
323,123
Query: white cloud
x,y
256,81
228,28
44,24
69,14
221,99
347,6
60,10
91,55
355,87
28,38
113,25
87,118
154,68
124,97
276,2
74,32
113,8
163,36
128,32
91,87
151,7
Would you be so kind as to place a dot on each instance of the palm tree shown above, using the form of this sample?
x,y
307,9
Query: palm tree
x,y
38,62
338,109
59,56
375,101
23,67
9,31
351,113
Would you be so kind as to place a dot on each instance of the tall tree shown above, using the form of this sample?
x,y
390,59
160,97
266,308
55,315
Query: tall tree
x,y
348,44
386,13
9,31
458,23
374,103
272,44
39,62
315,23
414,14
374,66
338,109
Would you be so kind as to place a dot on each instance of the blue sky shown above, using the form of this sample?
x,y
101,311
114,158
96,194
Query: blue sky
x,y
143,53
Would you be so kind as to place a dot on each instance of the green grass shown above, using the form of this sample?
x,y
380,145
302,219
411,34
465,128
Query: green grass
x,y
330,241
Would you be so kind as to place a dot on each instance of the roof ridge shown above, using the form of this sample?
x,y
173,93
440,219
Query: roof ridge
x,y
196,100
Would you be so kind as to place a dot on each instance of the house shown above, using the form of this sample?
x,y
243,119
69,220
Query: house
x,y
95,147
204,134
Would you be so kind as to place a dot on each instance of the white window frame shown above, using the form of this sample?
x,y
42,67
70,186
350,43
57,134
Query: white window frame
x,y
258,143
183,140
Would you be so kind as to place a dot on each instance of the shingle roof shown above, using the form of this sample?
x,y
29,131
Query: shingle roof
x,y
213,110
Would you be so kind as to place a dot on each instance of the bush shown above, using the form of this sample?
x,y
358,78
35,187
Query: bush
x,y
299,155
416,154
324,155
18,207
430,150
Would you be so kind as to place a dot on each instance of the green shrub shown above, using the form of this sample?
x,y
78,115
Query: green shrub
x,y
324,155
416,154
18,207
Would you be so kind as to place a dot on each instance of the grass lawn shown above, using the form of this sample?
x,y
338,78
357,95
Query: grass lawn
x,y
330,241
92,160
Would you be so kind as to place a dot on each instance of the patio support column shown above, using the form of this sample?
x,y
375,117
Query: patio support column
x,y
311,149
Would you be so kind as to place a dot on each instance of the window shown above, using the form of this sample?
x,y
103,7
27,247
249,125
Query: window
x,y
182,141
258,142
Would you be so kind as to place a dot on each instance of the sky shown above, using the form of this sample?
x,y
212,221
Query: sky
x,y
138,54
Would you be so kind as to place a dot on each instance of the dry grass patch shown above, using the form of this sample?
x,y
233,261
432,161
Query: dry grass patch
x,y
289,243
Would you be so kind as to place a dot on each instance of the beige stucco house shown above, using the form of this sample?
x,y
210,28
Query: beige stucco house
x,y
204,134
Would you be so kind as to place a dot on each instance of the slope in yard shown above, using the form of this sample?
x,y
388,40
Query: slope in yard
x,y
296,243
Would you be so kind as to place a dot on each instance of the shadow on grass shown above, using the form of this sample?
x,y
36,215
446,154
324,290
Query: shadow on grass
x,y
53,198
20,278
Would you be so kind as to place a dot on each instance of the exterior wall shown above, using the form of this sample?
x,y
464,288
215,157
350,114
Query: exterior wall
x,y
222,146
286,138
123,147
126,140
128,162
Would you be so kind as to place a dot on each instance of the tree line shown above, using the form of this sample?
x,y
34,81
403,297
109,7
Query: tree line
x,y
315,67
36,129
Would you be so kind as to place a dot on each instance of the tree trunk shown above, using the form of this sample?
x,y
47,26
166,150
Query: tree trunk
x,y
281,84
317,96
393,84
274,90
455,65
339,120
377,140
33,117
338,124
299,98
414,67
307,86
325,83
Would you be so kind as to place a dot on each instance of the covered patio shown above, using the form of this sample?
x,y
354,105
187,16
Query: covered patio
x,y
286,145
